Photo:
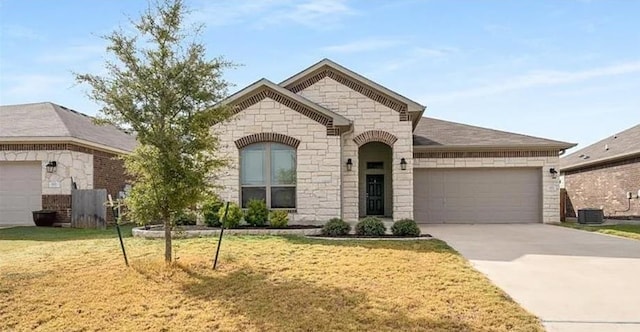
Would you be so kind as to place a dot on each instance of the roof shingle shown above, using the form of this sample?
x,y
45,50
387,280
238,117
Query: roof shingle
x,y
435,133
620,145
49,120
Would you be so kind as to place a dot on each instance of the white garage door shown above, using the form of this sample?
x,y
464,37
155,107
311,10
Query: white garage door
x,y
20,192
478,195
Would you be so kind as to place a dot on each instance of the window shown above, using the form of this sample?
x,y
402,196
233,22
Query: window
x,y
268,172
375,165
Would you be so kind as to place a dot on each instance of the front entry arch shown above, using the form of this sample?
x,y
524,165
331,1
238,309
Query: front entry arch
x,y
375,183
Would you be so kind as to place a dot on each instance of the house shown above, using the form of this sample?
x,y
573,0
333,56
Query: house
x,y
44,149
328,142
605,175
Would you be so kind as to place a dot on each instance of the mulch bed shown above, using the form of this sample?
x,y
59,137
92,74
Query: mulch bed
x,y
203,227
386,236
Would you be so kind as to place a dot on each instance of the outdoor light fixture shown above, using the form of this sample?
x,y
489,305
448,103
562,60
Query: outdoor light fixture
x,y
349,164
553,172
51,166
403,164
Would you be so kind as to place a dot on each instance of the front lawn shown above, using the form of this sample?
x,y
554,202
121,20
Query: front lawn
x,y
262,284
624,230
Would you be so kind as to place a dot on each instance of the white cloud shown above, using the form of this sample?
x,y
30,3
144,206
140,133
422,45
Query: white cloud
x,y
540,78
19,32
320,14
417,55
371,44
73,54
32,87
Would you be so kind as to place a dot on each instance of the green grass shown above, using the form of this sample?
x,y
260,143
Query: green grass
x,y
67,279
30,233
624,230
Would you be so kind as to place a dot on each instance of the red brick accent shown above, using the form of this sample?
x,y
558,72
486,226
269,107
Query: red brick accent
x,y
354,85
60,204
267,137
486,154
255,98
375,136
109,173
605,186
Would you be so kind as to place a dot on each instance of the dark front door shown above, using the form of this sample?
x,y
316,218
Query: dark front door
x,y
375,195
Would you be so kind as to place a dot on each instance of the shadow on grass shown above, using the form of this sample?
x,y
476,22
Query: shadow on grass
x,y
30,233
292,305
432,245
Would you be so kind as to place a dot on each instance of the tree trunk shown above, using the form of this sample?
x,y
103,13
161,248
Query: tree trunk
x,y
167,241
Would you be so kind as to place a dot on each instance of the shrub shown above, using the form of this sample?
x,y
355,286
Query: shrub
x,y
279,219
257,212
210,212
405,227
186,217
370,226
336,227
234,215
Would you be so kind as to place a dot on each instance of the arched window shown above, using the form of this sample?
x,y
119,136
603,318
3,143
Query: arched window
x,y
268,172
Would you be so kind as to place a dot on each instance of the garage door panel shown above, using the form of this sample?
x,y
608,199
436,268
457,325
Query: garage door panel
x,y
20,192
478,195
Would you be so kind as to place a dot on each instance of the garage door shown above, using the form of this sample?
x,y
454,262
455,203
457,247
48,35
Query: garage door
x,y
478,195
20,192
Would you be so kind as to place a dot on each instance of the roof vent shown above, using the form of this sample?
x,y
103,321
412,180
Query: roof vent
x,y
581,156
586,157
606,147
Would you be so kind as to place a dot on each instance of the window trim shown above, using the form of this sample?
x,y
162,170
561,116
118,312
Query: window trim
x,y
268,185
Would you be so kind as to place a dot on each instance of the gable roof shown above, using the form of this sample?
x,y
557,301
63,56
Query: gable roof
x,y
51,122
619,146
293,83
252,94
435,134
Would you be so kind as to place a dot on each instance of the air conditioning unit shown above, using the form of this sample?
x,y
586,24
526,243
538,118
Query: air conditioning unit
x,y
590,216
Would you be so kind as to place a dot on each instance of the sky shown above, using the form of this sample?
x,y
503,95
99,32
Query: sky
x,y
561,69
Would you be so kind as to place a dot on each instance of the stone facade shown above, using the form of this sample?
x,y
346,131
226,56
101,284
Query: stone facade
x,y
605,187
367,115
550,186
89,169
318,162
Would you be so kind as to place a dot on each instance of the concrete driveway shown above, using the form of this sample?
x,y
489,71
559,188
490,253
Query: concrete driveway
x,y
573,280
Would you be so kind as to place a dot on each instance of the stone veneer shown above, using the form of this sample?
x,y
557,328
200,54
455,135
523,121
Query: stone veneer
x,y
74,164
367,115
550,186
318,158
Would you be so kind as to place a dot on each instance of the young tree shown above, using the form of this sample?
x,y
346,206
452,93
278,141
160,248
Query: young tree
x,y
162,86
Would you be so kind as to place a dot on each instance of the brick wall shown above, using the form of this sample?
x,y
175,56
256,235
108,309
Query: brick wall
x,y
109,173
605,187
59,203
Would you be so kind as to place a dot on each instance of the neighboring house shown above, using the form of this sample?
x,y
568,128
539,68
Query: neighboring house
x,y
603,174
328,142
33,136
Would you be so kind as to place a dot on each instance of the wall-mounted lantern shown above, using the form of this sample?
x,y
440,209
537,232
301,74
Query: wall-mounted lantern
x,y
554,173
51,166
349,165
403,164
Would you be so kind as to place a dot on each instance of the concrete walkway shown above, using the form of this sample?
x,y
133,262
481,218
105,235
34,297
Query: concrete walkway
x,y
573,280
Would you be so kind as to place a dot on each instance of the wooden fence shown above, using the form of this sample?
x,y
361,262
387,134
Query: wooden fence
x,y
88,209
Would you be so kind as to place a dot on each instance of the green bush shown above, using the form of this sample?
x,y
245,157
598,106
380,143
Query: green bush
x,y
279,219
336,227
186,217
210,212
257,213
370,226
405,227
234,215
